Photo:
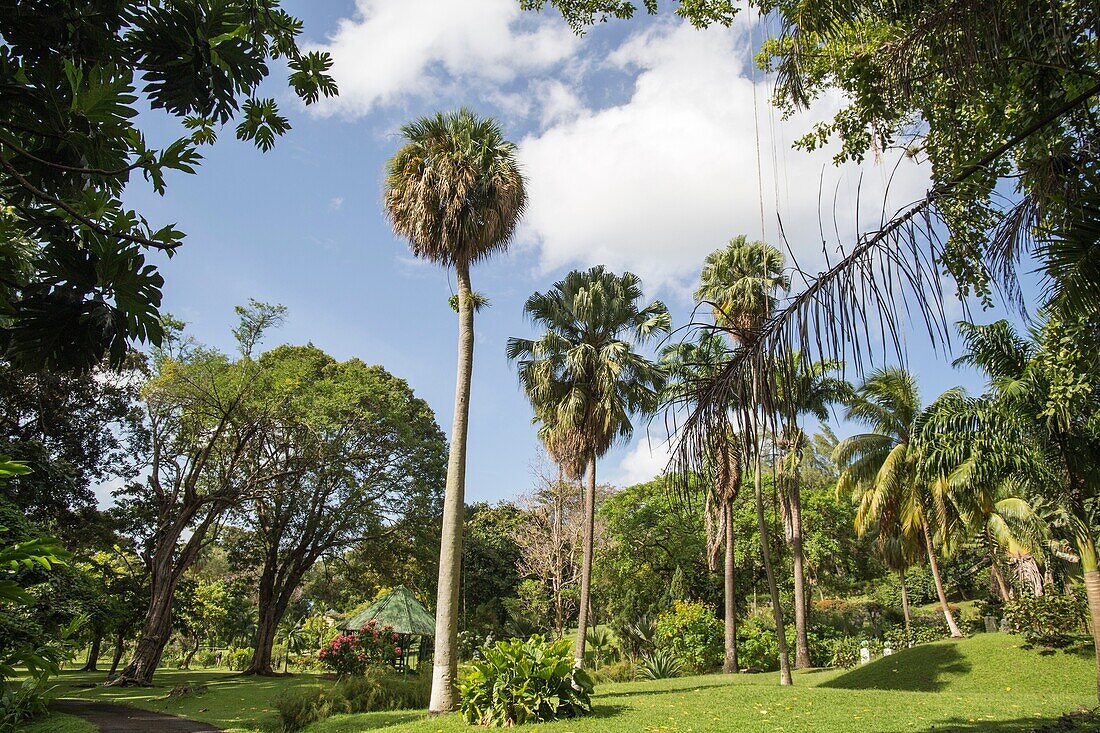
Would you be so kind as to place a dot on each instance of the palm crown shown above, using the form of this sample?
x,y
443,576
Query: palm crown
x,y
740,282
454,190
583,376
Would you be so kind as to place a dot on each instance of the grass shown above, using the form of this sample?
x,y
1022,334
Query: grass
x,y
235,703
986,683
59,723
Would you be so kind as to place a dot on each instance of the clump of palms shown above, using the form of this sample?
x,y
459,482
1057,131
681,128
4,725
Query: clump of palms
x,y
585,379
742,282
454,190
880,469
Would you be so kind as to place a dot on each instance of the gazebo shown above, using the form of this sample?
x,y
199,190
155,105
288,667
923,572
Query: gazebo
x,y
400,610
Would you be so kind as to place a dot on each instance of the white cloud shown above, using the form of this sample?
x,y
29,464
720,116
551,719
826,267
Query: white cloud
x,y
392,51
647,460
335,203
657,182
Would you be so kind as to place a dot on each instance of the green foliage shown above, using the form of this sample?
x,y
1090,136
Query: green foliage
x,y
80,285
238,659
845,652
1048,621
516,682
582,13
693,634
376,690
757,644
659,665
621,671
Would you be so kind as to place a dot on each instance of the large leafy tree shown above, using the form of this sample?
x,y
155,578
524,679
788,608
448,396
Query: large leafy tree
x,y
585,378
76,283
741,282
454,190
357,452
203,411
881,471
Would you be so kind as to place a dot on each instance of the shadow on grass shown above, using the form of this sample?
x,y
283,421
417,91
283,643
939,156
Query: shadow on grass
x,y
688,685
924,668
1080,721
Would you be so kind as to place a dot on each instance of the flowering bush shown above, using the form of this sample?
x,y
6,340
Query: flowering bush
x,y
351,653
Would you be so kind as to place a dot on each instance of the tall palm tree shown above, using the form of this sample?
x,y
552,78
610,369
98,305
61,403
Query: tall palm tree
x,y
454,190
881,469
689,365
585,379
1046,399
741,282
803,388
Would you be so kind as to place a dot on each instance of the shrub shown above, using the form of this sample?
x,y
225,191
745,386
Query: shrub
x,y
1046,620
238,659
301,707
757,644
845,652
352,653
659,665
516,682
693,634
623,671
206,658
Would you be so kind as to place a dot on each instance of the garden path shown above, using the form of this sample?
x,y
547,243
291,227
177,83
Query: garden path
x,y
122,719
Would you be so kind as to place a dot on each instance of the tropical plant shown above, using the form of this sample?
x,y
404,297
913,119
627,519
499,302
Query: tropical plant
x,y
661,664
880,470
691,632
585,379
690,364
741,282
77,283
599,639
516,682
803,387
454,190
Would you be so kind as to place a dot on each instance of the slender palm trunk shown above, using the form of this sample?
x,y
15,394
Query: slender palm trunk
x,y
93,654
935,566
730,665
586,564
790,504
1086,546
905,607
445,666
773,589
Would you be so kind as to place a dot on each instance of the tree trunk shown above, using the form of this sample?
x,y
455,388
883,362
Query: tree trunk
x,y
586,562
934,564
157,626
765,555
445,663
905,608
93,654
120,645
801,635
186,663
730,665
273,600
1086,547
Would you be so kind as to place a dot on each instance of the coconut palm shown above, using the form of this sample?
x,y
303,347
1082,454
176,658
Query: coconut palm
x,y
880,469
803,387
741,282
585,379
454,190
690,365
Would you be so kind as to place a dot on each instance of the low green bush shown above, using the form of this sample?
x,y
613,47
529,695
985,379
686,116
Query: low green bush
x,y
621,671
206,658
301,707
845,652
378,689
238,659
693,634
659,665
1048,621
757,645
515,682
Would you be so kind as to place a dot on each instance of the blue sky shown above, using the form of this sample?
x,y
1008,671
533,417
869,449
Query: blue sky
x,y
639,141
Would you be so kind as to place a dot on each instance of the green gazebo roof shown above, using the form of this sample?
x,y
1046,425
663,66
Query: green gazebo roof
x,y
400,610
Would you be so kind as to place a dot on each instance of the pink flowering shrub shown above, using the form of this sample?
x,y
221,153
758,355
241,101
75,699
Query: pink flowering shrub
x,y
351,653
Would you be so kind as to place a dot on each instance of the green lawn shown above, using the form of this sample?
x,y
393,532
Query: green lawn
x,y
236,703
986,683
59,723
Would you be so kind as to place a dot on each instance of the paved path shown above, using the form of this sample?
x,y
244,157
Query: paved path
x,y
123,719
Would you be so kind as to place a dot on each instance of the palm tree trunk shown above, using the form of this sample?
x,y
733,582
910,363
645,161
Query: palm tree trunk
x,y
586,563
801,633
934,564
995,572
1086,547
905,608
730,665
765,555
445,665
